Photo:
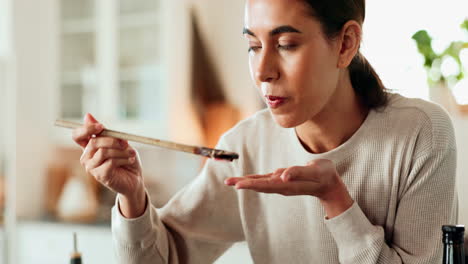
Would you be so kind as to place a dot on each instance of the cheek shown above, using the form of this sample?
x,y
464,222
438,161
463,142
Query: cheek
x,y
312,80
252,69
302,75
312,73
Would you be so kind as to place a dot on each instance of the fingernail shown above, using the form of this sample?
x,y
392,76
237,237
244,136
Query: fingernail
x,y
239,186
286,177
132,159
229,182
132,153
123,143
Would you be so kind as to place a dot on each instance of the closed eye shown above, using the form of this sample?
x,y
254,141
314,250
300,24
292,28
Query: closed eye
x,y
281,47
287,47
254,48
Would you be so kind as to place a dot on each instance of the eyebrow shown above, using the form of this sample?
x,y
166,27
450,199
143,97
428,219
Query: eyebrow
x,y
276,31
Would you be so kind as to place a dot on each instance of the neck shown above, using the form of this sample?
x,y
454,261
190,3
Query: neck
x,y
336,123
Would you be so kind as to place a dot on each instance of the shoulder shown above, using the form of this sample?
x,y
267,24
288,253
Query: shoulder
x,y
430,121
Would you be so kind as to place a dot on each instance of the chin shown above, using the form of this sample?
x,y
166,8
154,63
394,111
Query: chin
x,y
286,120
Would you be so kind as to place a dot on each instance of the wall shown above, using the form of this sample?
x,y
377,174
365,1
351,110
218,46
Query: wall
x,y
179,62
34,77
221,24
8,132
461,132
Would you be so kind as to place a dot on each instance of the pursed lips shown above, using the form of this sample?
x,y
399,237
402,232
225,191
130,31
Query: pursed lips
x,y
275,101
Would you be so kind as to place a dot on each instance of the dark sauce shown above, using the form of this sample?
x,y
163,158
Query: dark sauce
x,y
226,156
217,154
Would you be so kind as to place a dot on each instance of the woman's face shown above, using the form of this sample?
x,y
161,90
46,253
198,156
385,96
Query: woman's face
x,y
291,61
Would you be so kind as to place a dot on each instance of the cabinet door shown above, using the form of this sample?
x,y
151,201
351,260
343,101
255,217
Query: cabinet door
x,y
77,58
141,68
112,63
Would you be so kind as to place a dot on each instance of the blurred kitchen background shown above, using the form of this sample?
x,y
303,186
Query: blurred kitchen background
x,y
170,69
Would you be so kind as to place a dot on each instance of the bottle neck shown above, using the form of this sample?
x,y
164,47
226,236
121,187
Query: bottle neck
x,y
453,238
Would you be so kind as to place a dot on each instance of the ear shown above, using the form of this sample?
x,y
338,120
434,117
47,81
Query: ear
x,y
350,41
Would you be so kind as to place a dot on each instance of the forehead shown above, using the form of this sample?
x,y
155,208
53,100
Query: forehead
x,y
266,14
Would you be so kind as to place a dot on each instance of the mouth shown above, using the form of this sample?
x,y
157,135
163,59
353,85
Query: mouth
x,y
275,101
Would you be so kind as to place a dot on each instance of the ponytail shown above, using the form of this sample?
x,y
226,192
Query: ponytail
x,y
366,83
333,14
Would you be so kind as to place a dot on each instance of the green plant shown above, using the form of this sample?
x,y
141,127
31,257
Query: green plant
x,y
433,60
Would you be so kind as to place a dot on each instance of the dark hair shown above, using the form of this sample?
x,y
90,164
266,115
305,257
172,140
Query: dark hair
x,y
333,15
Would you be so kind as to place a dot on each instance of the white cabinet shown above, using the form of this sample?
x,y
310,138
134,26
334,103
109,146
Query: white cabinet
x,y
57,48
113,62
45,243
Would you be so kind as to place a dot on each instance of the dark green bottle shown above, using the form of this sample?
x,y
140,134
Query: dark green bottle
x,y
454,253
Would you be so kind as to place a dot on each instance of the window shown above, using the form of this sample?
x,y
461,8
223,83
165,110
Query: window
x,y
387,43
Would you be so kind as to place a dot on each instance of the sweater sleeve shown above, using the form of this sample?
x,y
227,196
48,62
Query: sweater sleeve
x,y
427,202
196,226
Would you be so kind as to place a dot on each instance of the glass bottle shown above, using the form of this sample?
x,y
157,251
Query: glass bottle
x,y
454,252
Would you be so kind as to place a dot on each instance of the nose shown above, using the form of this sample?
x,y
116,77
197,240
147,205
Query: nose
x,y
266,70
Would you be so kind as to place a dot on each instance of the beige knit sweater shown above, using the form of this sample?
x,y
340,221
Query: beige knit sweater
x,y
399,168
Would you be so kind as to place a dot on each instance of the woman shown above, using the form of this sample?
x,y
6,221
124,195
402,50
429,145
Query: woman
x,y
363,176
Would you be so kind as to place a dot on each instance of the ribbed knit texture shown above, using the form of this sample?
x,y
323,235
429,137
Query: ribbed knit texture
x,y
399,168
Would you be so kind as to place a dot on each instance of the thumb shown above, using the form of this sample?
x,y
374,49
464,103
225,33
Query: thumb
x,y
295,173
89,119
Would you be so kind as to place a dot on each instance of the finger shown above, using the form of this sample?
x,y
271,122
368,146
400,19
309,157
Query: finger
x,y
108,142
280,187
96,143
105,173
278,172
104,154
83,134
258,183
85,155
275,185
233,180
